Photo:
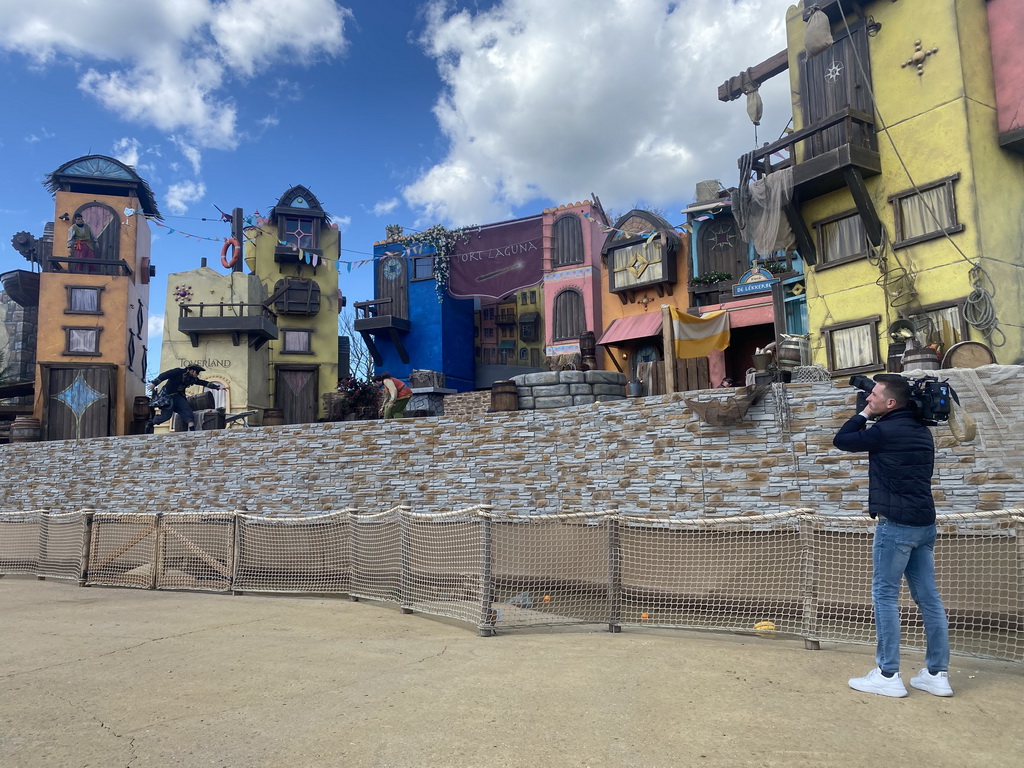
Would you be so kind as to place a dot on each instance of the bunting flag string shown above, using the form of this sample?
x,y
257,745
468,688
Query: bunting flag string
x,y
256,222
649,234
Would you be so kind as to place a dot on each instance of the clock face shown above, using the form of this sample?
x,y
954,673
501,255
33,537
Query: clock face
x,y
392,268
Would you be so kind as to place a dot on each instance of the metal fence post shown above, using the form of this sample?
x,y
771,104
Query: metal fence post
x,y
614,575
808,583
405,566
487,615
83,577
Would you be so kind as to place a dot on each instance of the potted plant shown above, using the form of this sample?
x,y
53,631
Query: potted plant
x,y
355,399
705,287
710,278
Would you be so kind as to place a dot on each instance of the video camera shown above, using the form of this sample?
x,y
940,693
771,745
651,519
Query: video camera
x,y
930,400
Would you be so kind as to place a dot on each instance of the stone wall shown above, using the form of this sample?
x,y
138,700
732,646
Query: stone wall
x,y
643,455
562,389
467,404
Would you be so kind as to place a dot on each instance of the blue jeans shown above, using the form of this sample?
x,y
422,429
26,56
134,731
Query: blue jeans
x,y
898,551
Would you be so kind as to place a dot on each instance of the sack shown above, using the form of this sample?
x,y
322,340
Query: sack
x,y
818,34
161,400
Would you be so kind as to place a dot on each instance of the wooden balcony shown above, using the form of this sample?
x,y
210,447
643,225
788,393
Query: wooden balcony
x,y
836,152
256,322
373,318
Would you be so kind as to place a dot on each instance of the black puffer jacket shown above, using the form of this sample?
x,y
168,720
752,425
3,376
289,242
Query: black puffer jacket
x,y
901,459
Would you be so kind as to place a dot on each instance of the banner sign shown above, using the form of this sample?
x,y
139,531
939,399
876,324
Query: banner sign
x,y
497,260
754,281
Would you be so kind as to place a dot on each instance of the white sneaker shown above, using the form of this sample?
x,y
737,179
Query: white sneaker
x,y
876,682
937,684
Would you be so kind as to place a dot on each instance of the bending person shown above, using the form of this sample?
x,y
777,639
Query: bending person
x,y
178,380
396,395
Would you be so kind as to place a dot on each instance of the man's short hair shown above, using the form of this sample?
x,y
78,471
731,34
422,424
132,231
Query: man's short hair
x,y
896,387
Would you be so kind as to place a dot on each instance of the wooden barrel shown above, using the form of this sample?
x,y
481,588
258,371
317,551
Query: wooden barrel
x,y
26,429
504,396
920,360
141,409
203,402
793,351
273,417
894,363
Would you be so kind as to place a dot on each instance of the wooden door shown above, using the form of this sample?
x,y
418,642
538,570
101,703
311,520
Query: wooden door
x,y
297,391
393,283
79,402
835,79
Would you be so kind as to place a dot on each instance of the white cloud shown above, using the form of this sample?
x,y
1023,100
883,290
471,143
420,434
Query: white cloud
x,y
190,152
549,100
156,328
384,207
169,63
34,138
127,150
179,196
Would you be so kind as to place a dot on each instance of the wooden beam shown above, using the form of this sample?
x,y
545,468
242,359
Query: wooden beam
x,y
804,243
732,88
866,209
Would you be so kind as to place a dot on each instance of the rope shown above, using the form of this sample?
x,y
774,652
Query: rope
x,y
979,311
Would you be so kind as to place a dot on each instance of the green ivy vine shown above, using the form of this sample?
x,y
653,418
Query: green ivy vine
x,y
443,241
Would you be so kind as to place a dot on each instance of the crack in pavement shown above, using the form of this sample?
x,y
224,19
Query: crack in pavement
x,y
17,673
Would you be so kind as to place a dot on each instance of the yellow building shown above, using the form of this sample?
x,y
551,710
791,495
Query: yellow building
x,y
905,199
271,335
94,299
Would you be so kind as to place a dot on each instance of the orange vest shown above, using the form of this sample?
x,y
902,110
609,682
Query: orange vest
x,y
404,390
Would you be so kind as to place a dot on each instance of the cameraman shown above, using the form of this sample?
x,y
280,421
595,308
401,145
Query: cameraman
x,y
901,458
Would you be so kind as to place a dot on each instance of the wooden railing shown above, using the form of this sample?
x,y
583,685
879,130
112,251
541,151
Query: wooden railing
x,y
845,119
224,309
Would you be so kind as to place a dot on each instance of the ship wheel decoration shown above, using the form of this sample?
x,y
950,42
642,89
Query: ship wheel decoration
x,y
834,72
392,268
919,58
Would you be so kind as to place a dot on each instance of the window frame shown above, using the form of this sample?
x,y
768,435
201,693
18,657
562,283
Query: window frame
x,y
819,226
96,289
900,241
877,364
557,320
97,330
309,337
415,266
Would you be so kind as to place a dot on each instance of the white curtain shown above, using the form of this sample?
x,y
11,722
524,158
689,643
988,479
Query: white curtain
x,y
924,213
853,347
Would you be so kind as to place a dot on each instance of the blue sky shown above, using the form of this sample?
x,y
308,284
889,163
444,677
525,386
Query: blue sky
x,y
410,112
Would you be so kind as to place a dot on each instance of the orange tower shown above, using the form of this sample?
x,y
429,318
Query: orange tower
x,y
94,300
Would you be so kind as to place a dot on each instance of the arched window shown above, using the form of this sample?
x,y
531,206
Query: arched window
x,y
105,226
568,241
570,320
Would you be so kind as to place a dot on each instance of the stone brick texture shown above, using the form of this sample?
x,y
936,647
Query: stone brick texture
x,y
638,455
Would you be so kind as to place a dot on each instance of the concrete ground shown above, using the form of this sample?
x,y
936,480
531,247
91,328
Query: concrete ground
x,y
117,677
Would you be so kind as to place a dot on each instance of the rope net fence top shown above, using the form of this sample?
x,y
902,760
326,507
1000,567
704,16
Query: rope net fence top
x,y
795,572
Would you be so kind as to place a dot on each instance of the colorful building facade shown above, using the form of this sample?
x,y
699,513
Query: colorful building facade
x,y
270,334
91,352
907,177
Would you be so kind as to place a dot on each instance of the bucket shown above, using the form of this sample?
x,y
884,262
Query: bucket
x,y
762,361
504,396
894,363
794,351
920,360
203,402
26,429
273,417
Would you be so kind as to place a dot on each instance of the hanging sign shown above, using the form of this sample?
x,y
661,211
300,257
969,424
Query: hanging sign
x,y
754,281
